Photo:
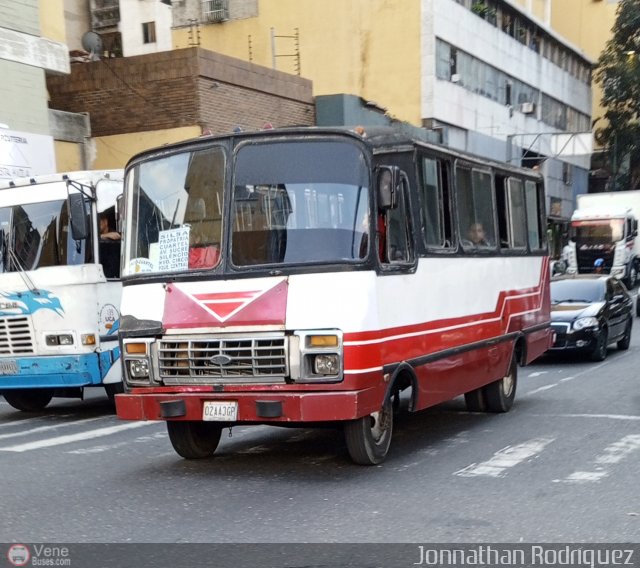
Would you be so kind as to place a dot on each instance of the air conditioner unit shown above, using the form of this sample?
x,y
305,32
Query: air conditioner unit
x,y
527,108
455,78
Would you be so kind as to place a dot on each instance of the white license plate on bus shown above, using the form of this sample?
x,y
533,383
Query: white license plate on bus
x,y
220,411
8,367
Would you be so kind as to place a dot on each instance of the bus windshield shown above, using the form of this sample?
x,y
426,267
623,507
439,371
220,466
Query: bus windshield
x,y
292,202
37,235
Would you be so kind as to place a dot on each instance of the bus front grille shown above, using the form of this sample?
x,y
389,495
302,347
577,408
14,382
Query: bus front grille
x,y
16,336
234,359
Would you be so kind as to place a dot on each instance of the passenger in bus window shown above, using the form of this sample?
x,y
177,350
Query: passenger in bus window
x,y
476,236
106,233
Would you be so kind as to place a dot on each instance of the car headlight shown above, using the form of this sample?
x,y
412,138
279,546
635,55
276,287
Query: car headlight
x,y
583,323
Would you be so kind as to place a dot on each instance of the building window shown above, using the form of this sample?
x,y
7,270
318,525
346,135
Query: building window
x,y
149,32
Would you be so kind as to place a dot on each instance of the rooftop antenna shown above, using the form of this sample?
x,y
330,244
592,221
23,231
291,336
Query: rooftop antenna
x,y
92,42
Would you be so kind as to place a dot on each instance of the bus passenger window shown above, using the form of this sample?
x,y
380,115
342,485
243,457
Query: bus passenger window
x,y
435,211
533,215
398,234
475,209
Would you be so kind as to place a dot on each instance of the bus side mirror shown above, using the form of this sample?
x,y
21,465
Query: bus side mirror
x,y
78,217
387,187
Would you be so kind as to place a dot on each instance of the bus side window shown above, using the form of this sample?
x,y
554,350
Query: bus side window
x,y
475,198
510,203
533,204
435,209
398,229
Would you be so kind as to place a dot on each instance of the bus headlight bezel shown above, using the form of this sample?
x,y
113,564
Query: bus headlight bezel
x,y
138,366
316,356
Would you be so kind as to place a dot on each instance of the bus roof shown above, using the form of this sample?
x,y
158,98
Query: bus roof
x,y
379,139
82,176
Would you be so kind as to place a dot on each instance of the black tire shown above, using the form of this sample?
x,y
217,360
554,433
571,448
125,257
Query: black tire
x,y
637,307
475,400
632,278
599,352
28,400
112,389
624,343
499,395
368,438
194,440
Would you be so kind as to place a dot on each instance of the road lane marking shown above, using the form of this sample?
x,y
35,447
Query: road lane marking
x,y
505,459
543,388
630,417
60,440
536,374
20,421
116,445
612,455
50,427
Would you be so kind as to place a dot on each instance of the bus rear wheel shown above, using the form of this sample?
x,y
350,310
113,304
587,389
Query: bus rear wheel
x,y
499,395
28,400
368,438
194,440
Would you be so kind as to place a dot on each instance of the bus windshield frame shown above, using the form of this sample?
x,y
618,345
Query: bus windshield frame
x,y
301,201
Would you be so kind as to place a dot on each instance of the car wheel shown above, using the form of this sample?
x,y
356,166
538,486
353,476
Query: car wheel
x,y
599,352
624,343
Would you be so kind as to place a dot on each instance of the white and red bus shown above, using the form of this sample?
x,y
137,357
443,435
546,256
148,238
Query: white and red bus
x,y
302,276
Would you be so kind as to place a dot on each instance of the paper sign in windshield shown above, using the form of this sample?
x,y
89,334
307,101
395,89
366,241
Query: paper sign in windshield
x,y
173,251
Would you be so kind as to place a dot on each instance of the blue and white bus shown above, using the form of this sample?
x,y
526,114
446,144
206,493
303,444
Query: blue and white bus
x,y
60,287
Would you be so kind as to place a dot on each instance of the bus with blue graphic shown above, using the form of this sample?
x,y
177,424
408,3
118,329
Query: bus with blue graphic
x,y
60,286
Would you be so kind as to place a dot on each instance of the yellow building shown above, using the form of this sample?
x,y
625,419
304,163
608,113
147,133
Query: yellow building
x,y
368,48
587,24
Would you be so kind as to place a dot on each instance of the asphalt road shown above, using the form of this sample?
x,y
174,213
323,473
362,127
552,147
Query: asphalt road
x,y
561,466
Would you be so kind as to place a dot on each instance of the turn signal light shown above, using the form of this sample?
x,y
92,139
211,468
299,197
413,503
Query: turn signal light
x,y
136,348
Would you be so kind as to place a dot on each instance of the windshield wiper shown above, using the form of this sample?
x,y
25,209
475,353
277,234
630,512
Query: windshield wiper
x,y
13,257
572,301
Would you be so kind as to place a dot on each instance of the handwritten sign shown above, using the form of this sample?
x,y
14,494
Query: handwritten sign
x,y
173,248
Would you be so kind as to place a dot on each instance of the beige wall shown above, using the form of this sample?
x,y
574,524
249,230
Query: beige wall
x,y
68,156
115,151
369,48
52,25
588,25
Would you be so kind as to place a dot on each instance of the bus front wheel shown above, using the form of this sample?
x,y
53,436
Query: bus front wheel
x,y
28,400
368,438
194,440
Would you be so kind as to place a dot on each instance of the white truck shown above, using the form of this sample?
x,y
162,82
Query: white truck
x,y
604,232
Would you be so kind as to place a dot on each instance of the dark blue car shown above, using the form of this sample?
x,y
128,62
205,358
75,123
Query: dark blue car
x,y
589,312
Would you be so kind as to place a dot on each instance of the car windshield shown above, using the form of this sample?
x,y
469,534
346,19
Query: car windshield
x,y
583,291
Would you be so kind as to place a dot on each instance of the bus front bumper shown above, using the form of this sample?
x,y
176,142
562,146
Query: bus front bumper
x,y
54,371
253,407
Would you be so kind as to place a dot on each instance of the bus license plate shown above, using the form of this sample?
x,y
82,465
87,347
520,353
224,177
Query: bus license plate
x,y
8,367
219,411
